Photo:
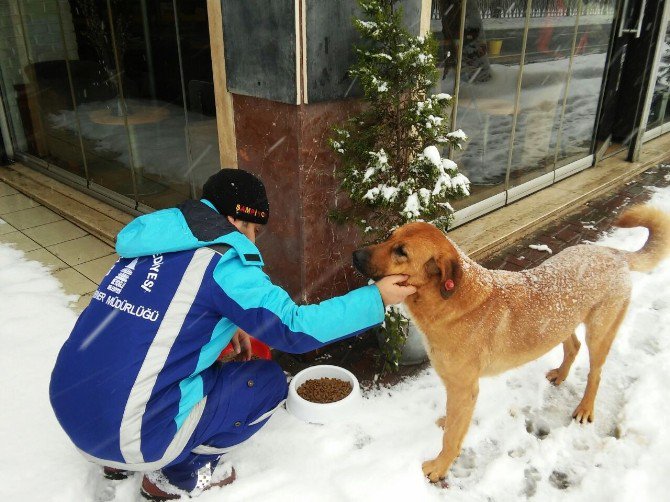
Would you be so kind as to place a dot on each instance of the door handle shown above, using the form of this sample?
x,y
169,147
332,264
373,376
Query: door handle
x,y
640,19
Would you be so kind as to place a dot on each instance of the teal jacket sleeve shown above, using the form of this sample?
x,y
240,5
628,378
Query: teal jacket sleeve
x,y
245,295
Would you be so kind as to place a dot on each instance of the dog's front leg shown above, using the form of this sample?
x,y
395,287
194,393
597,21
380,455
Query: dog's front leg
x,y
461,399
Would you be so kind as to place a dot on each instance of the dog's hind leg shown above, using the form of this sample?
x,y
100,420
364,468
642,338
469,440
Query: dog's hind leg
x,y
570,348
461,400
602,325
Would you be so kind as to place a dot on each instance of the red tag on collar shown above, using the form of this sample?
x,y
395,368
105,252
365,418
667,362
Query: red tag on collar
x,y
449,284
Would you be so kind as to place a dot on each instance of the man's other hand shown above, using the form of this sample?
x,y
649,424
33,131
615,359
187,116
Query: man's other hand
x,y
242,345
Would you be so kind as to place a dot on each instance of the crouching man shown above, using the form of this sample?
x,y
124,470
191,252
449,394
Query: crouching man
x,y
137,387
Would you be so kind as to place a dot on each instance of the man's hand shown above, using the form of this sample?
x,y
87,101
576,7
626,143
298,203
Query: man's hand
x,y
391,290
242,345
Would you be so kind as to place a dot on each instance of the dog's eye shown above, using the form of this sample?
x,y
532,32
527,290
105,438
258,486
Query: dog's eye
x,y
400,251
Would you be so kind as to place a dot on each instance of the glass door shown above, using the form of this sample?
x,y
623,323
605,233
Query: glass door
x,y
658,121
36,78
118,94
527,77
629,77
593,32
482,73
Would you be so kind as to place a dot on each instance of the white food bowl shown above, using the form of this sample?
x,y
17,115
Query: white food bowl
x,y
322,413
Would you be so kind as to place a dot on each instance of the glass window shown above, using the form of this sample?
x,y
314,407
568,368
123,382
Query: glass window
x,y
660,111
96,84
491,57
36,72
119,92
586,79
547,63
148,53
197,74
531,75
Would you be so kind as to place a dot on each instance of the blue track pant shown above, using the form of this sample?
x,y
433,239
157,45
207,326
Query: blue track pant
x,y
241,402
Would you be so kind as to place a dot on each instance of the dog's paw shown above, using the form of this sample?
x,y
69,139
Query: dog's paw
x,y
556,377
583,414
440,422
434,470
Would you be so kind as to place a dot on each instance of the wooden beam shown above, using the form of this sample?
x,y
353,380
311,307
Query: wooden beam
x,y
424,26
225,119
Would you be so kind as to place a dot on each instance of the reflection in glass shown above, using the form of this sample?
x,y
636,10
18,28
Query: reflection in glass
x,y
170,106
197,76
493,34
120,91
100,107
36,81
588,67
154,103
660,112
545,75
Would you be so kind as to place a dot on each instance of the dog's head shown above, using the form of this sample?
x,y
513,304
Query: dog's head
x,y
418,250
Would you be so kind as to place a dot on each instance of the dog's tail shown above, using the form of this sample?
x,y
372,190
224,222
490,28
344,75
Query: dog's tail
x,y
657,246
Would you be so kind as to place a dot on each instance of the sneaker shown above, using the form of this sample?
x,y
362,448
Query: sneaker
x,y
223,474
115,474
156,487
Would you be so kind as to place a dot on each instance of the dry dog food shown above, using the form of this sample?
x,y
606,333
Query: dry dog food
x,y
235,357
325,390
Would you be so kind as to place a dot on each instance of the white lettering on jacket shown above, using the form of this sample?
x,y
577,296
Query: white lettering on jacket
x,y
125,306
152,275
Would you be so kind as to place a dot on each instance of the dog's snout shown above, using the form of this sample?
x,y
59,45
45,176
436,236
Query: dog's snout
x,y
360,259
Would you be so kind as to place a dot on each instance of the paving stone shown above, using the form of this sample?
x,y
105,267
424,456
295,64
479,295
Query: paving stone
x,y
31,217
516,260
15,202
511,267
536,256
598,215
78,251
5,189
567,234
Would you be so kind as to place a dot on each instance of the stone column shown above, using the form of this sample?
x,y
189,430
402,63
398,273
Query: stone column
x,y
286,66
286,145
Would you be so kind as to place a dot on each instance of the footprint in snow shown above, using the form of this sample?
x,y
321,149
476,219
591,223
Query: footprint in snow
x,y
362,440
531,478
561,480
472,463
465,463
538,427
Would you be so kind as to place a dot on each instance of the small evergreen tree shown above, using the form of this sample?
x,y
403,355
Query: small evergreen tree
x,y
391,166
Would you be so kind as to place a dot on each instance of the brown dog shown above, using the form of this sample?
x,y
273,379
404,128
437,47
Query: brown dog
x,y
479,322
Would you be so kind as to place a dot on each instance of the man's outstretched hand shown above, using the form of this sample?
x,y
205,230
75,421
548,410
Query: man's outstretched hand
x,y
391,290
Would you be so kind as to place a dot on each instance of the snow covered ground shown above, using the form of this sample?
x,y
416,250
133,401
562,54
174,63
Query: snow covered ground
x,y
522,443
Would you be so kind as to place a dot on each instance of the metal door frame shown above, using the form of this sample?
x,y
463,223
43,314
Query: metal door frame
x,y
663,128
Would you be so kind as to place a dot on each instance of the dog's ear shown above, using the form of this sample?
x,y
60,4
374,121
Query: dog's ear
x,y
444,271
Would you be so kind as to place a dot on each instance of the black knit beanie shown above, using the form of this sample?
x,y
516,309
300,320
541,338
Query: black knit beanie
x,y
238,193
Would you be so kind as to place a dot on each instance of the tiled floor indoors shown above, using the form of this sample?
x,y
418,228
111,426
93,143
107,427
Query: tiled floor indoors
x,y
78,260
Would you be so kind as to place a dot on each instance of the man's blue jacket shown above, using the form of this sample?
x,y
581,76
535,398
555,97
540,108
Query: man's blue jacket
x,y
131,381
